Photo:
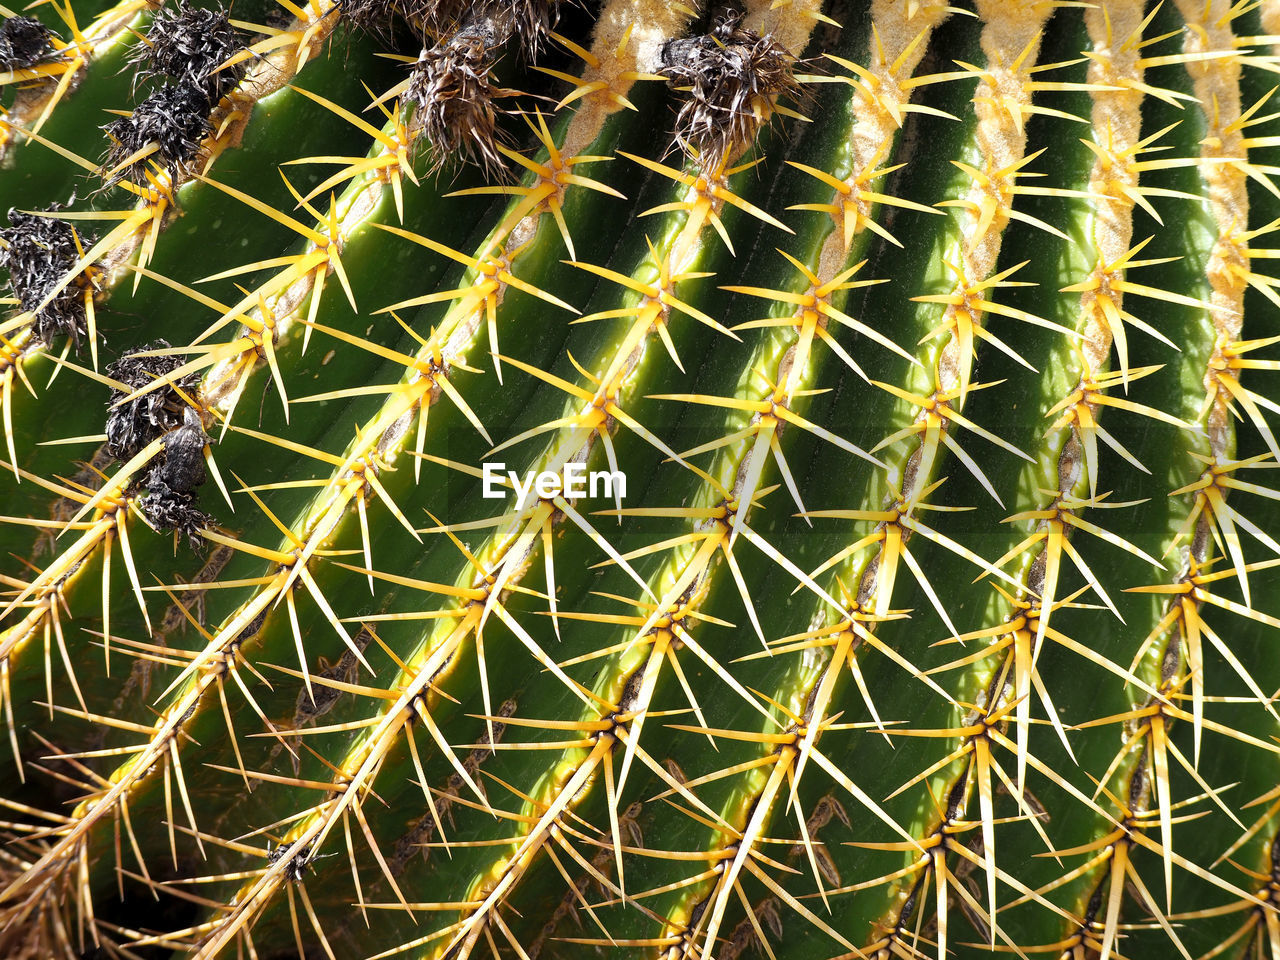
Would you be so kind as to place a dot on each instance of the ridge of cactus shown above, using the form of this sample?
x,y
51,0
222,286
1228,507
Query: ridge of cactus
x,y
914,357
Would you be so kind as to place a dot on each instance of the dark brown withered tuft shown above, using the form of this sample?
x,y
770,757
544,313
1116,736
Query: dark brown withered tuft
x,y
39,252
170,501
453,96
431,20
167,509
131,426
175,118
24,42
450,84
187,45
374,16
528,23
436,20
732,76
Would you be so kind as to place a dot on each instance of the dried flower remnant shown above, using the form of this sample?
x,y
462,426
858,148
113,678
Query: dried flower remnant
x,y
132,425
528,22
168,510
188,45
431,20
24,42
171,482
39,252
165,130
454,96
374,16
451,85
733,77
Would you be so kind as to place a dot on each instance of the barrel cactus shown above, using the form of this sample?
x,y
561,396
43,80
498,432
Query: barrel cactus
x,y
518,479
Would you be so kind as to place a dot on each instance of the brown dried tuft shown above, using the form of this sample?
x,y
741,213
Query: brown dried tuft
x,y
375,16
24,42
528,22
733,76
38,252
454,96
175,118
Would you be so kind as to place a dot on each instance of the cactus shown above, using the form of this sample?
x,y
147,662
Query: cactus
x,y
517,479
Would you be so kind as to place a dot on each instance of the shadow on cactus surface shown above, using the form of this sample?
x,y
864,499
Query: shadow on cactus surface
x,y
517,479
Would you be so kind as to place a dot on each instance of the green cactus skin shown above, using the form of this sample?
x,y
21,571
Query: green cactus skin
x,y
936,619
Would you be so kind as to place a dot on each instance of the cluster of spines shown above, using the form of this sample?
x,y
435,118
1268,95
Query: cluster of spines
x,y
225,399
186,121
1015,641
97,267
353,470
474,308
176,455
458,630
852,623
1206,547
199,52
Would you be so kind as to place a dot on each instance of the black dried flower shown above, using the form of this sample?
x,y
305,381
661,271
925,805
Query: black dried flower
x,y
131,426
175,118
176,472
733,76
188,45
39,252
167,509
170,500
454,96
24,42
182,466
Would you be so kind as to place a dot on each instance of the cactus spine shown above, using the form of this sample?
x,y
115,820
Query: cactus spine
x,y
927,608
